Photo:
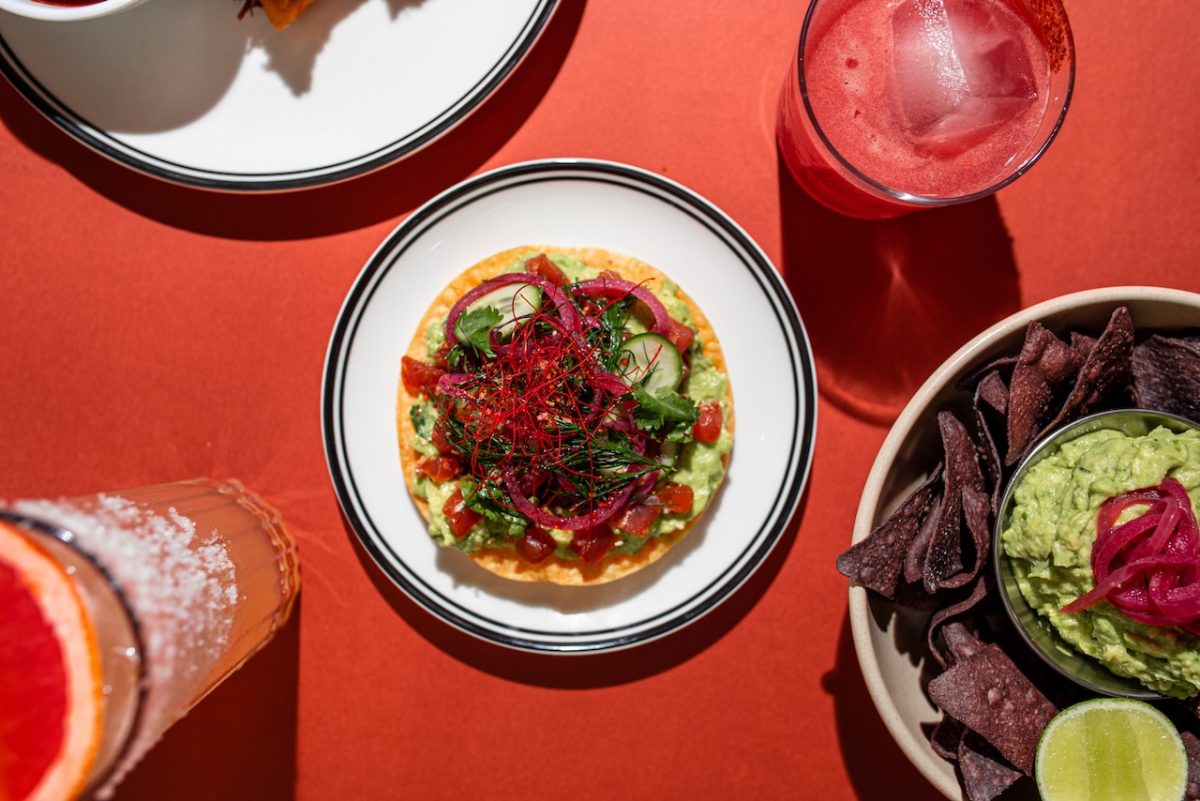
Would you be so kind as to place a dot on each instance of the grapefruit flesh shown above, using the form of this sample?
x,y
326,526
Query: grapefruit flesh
x,y
51,707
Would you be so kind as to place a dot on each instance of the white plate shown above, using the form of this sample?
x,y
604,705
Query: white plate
x,y
184,91
574,203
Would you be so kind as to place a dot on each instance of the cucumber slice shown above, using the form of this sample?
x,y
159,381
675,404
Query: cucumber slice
x,y
514,302
650,360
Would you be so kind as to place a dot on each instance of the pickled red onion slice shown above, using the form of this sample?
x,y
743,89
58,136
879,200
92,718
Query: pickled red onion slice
x,y
566,310
619,288
1148,568
603,510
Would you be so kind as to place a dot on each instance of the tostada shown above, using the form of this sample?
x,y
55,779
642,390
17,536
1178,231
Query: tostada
x,y
564,415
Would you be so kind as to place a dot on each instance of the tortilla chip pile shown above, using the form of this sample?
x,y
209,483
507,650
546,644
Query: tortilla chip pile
x,y
932,552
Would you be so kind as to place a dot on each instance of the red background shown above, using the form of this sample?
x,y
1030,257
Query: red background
x,y
152,332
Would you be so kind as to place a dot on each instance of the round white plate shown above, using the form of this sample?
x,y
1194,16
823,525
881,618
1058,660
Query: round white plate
x,y
574,203
184,91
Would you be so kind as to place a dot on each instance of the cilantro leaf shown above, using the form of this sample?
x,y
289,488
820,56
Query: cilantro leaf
x,y
473,327
422,420
665,412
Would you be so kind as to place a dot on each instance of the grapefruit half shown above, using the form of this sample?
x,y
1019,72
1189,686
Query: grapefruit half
x,y
51,702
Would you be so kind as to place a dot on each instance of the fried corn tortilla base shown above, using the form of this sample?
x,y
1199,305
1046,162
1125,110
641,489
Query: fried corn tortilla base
x,y
283,13
506,562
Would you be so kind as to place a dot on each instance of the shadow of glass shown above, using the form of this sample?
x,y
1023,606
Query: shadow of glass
x,y
886,302
585,671
317,212
239,742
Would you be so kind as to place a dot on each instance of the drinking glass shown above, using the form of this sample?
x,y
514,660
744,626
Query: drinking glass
x,y
181,583
896,105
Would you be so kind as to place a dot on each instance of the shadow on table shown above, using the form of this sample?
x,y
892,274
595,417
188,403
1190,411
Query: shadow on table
x,y
353,204
239,743
585,671
877,767
886,302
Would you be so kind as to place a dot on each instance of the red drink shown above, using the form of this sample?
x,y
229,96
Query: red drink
x,y
894,105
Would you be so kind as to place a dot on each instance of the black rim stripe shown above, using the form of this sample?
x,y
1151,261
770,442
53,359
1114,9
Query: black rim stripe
x,y
413,233
92,136
799,456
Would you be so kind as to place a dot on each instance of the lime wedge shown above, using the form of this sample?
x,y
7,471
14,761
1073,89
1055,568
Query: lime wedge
x,y
1111,748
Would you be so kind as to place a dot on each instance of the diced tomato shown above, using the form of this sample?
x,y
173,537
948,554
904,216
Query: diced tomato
x,y
441,356
680,335
460,519
708,427
536,545
637,519
418,376
593,544
612,275
541,265
674,498
442,468
440,442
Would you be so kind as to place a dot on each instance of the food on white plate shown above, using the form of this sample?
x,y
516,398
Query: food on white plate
x,y
564,415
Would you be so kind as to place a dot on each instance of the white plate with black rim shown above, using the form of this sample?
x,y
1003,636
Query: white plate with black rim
x,y
185,91
574,203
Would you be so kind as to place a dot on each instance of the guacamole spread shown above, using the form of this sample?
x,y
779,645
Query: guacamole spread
x,y
698,465
1049,542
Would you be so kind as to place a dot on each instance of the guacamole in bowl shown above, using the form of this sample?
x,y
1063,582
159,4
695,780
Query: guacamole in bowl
x,y
1046,534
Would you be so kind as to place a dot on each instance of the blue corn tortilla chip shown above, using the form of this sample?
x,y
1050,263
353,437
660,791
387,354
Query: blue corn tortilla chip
x,y
1044,368
990,695
1166,376
914,561
877,560
1105,374
944,567
945,737
1192,746
960,609
1082,343
984,773
992,393
960,641
976,509
999,364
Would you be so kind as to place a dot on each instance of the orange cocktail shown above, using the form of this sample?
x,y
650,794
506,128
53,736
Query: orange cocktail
x,y
120,611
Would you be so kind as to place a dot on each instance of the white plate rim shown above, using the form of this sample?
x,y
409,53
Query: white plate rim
x,y
792,482
112,148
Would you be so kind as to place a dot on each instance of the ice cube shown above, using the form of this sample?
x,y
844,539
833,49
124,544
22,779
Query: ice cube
x,y
929,78
960,71
993,57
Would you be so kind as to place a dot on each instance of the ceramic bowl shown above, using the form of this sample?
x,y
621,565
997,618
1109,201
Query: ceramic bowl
x,y
888,639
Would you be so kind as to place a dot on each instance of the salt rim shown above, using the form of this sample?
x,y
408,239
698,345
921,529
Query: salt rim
x,y
183,592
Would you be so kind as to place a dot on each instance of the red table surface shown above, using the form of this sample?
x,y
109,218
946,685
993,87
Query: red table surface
x,y
150,332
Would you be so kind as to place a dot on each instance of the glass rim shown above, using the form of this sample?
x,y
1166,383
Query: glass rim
x,y
67,538
929,201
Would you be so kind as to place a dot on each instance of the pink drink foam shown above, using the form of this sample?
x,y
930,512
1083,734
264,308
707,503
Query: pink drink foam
x,y
940,98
